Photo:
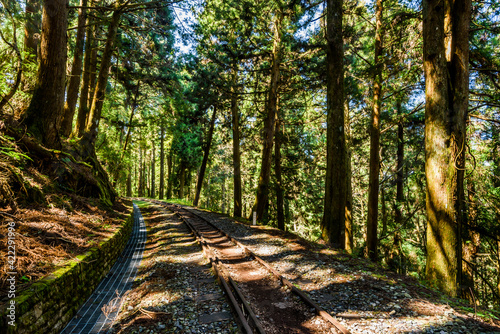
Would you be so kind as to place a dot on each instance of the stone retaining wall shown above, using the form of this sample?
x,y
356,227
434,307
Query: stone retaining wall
x,y
50,303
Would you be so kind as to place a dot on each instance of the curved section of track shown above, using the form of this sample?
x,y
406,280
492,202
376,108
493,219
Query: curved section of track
x,y
100,310
264,300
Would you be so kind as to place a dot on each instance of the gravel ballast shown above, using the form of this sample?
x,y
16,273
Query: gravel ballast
x,y
364,297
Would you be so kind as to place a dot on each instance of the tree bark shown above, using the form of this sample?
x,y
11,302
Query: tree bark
x,y
169,171
333,222
237,193
470,246
373,187
162,161
153,173
349,224
398,216
140,190
83,107
119,164
131,118
384,211
495,156
189,182
395,257
129,185
279,183
206,152
182,180
94,116
223,201
44,115
31,31
76,71
262,195
498,266
145,173
446,68
93,70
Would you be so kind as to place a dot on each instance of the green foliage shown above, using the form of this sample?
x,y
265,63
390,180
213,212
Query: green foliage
x,y
9,151
181,201
142,204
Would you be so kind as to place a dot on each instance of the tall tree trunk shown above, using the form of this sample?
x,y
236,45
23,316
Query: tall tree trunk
x,y
136,175
83,105
76,71
129,185
119,164
131,118
384,211
333,222
31,32
495,156
98,100
189,180
45,112
170,179
96,45
153,173
470,246
349,236
140,186
147,190
398,216
223,206
162,160
206,152
395,257
457,24
373,187
498,265
262,195
237,194
287,210
446,67
182,180
277,170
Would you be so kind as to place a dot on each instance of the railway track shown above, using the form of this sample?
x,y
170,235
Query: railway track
x,y
263,300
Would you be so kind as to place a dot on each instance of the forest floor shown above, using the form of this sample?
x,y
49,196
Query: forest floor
x,y
363,296
49,236
49,208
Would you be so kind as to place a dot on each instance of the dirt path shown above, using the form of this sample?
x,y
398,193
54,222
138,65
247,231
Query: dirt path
x,y
175,290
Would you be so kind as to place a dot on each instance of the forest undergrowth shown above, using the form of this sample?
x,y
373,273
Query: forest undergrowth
x,y
52,224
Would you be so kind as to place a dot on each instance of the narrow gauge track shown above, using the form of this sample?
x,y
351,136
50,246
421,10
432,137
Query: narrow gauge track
x,y
260,296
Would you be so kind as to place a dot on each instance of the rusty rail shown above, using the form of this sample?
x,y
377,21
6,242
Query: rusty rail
x,y
319,310
221,277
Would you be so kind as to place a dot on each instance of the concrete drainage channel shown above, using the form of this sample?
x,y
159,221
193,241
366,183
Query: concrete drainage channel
x,y
100,310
